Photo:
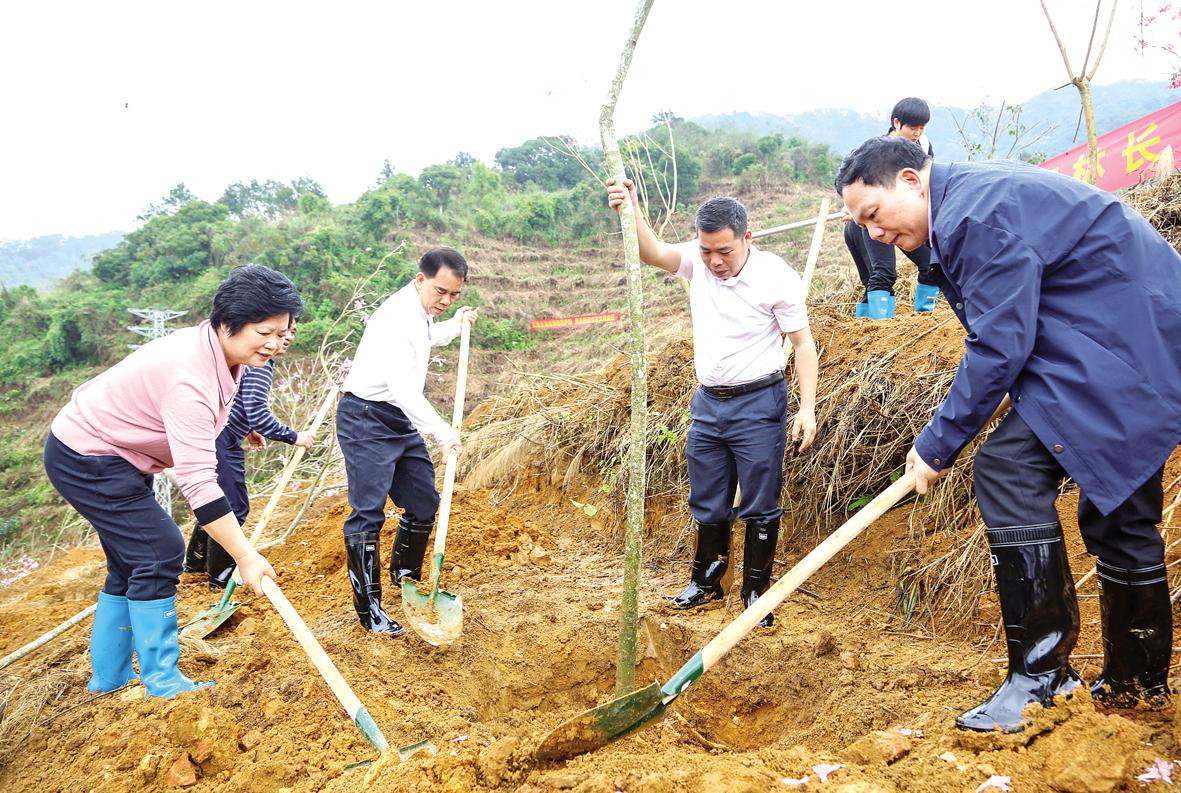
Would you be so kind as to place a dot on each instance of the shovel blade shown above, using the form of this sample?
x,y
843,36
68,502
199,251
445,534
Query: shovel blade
x,y
600,726
437,617
208,620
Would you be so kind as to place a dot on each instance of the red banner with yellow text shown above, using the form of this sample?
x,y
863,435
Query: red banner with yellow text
x,y
1125,154
572,322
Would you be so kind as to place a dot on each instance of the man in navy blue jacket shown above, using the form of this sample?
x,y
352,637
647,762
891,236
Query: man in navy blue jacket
x,y
1072,303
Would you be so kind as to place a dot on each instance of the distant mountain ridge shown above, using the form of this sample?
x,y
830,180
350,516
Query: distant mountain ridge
x,y
1115,105
41,260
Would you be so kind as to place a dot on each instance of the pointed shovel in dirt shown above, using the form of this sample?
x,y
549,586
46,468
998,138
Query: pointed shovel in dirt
x,y
208,620
438,616
623,716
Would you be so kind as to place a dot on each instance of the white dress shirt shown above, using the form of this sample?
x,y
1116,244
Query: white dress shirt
x,y
737,321
392,359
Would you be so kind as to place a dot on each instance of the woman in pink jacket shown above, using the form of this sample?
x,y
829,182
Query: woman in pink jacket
x,y
162,406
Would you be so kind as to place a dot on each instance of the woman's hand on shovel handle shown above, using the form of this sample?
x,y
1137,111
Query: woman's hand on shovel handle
x,y
251,568
924,475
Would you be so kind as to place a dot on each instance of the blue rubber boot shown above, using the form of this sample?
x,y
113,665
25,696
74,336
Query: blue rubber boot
x,y
881,305
154,627
925,297
110,645
861,311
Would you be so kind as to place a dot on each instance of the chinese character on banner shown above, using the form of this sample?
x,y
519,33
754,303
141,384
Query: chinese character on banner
x,y
1139,145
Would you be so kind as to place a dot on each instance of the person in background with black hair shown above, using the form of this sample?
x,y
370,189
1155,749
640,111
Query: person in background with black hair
x,y
163,406
379,421
875,260
741,299
1072,306
250,418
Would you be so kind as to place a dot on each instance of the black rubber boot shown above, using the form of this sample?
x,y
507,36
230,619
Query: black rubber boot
x,y
1137,637
758,557
363,552
218,564
711,561
409,550
195,551
1040,612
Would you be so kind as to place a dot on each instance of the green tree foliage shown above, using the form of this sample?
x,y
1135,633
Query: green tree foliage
x,y
269,199
178,197
166,248
537,161
442,181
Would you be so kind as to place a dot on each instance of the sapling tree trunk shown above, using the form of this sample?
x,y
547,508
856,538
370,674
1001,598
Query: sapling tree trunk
x,y
625,671
1082,81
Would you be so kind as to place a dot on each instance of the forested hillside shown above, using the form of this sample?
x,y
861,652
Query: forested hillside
x,y
40,260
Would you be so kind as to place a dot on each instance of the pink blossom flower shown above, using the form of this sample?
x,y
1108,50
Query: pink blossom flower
x,y
1001,782
358,305
1161,769
438,360
364,319
824,769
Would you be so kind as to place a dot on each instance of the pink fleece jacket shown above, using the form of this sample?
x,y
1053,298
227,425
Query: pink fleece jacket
x,y
160,407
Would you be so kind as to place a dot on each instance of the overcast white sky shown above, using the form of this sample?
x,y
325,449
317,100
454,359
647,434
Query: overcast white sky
x,y
109,105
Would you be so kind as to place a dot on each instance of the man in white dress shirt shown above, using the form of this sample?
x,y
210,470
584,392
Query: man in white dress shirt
x,y
378,422
741,299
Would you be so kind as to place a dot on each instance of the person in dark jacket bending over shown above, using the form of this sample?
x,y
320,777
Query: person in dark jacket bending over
x,y
741,299
1072,303
875,260
378,422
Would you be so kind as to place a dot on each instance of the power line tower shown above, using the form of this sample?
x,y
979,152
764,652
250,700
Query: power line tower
x,y
157,330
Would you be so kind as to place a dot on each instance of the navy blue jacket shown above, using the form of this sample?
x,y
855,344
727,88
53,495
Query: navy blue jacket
x,y
1072,303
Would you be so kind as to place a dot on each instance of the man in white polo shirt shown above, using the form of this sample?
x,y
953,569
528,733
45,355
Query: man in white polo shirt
x,y
378,422
741,299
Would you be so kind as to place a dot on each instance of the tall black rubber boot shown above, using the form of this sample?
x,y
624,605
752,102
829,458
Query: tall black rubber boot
x,y
195,551
711,561
758,557
409,550
1040,612
1137,637
219,565
363,553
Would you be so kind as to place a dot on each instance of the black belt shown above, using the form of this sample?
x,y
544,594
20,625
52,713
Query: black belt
x,y
731,391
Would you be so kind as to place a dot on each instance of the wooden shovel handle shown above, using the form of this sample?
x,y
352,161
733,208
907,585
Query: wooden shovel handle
x,y
452,459
312,647
292,464
746,621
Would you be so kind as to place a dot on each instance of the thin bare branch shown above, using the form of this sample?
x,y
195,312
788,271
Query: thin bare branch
x,y
1057,38
1106,36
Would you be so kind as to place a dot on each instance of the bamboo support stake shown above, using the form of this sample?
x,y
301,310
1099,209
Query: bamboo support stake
x,y
814,251
625,669
799,224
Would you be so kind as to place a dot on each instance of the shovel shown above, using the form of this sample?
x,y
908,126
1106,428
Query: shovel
x,y
208,620
438,617
623,716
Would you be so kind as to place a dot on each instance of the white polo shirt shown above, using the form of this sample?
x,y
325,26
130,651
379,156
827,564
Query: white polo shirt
x,y
737,321
393,356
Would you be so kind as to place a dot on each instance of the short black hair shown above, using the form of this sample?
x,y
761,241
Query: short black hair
x,y
253,293
878,161
911,112
443,256
722,212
